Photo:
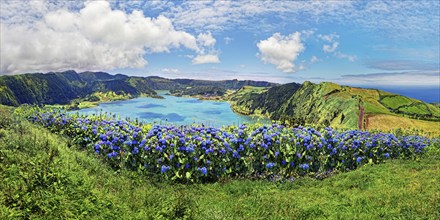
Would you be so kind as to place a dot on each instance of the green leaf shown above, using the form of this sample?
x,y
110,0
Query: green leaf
x,y
178,175
188,175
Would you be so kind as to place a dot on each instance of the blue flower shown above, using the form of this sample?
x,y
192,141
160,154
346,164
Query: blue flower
x,y
164,168
158,149
359,159
163,141
387,155
209,150
112,154
270,165
97,148
304,166
235,154
203,170
135,150
241,148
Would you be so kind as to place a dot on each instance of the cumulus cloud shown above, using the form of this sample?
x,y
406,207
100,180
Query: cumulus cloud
x,y
207,58
207,53
206,39
281,50
96,37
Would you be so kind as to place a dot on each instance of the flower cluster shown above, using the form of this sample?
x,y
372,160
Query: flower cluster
x,y
197,153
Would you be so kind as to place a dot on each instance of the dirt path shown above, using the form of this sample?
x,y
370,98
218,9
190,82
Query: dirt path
x,y
361,118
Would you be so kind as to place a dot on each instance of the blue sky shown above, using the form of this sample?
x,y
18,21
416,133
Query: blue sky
x,y
373,43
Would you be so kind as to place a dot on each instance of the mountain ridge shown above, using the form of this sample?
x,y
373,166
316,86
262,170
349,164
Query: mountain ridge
x,y
64,87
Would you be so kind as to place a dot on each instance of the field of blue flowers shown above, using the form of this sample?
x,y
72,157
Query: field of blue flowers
x,y
206,154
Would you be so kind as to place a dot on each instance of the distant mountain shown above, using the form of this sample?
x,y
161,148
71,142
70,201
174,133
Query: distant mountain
x,y
159,83
329,104
63,87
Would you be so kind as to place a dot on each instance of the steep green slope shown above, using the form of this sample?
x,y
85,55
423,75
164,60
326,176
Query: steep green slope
x,y
329,104
63,87
251,100
38,88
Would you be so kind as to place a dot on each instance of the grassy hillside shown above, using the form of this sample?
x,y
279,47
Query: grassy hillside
x,y
44,176
329,104
386,122
252,100
63,87
320,104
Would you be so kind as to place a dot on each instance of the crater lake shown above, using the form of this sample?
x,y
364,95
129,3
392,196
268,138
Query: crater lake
x,y
174,110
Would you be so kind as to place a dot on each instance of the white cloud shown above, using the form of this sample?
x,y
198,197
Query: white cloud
x,y
206,53
329,37
340,55
206,39
314,59
204,59
95,37
332,39
403,65
228,40
414,78
170,70
281,50
308,33
330,48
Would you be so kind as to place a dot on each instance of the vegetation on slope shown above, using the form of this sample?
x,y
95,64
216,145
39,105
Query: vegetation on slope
x,y
318,104
44,176
329,104
63,87
200,91
252,100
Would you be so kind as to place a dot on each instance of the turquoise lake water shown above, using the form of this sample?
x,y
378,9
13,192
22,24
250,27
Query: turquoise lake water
x,y
174,110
